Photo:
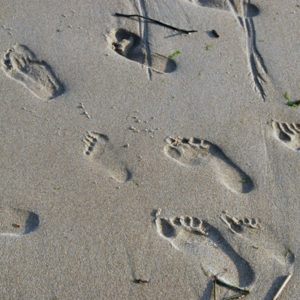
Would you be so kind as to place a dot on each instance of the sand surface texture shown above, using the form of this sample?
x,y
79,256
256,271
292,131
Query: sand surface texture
x,y
141,162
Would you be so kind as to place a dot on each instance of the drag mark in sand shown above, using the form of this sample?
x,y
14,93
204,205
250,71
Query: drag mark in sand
x,y
244,12
288,134
194,152
102,154
20,63
203,243
17,222
130,45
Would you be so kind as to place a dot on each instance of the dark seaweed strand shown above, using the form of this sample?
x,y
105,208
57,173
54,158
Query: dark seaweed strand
x,y
155,22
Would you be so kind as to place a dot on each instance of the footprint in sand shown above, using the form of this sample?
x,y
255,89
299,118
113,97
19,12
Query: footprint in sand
x,y
258,241
131,46
203,243
102,154
17,222
21,64
193,152
288,134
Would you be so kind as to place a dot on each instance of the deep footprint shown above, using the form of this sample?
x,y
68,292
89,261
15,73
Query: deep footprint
x,y
203,243
194,151
288,134
21,64
131,46
101,152
17,222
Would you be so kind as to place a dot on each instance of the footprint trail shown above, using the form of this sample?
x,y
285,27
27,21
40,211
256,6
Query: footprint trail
x,y
193,152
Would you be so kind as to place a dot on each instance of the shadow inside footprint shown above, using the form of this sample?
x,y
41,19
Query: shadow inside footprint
x,y
246,273
167,229
275,287
251,10
245,180
130,45
32,223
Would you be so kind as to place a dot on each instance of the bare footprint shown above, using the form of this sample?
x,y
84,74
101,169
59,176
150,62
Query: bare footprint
x,y
251,235
17,222
194,151
21,64
131,46
101,152
288,134
203,243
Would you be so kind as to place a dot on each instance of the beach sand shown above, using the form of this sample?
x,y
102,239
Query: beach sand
x,y
127,173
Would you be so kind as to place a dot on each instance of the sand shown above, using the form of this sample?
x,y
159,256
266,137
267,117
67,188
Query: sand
x,y
126,173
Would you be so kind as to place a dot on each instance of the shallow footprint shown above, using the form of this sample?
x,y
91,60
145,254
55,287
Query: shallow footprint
x,y
206,246
259,242
288,134
130,45
21,64
17,222
194,151
101,152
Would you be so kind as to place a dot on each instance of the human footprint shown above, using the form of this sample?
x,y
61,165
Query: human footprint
x,y
21,64
17,222
130,45
206,246
288,134
102,154
194,152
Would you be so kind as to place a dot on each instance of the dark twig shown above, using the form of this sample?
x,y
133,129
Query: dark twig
x,y
155,22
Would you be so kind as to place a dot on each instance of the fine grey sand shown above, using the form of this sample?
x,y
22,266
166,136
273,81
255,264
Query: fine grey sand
x,y
78,220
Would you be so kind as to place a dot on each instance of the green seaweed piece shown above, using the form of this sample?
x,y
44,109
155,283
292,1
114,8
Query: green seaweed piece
x,y
287,96
174,54
207,47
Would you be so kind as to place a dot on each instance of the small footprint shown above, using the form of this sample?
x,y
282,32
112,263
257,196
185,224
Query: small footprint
x,y
131,46
17,222
194,151
21,64
203,242
101,152
288,134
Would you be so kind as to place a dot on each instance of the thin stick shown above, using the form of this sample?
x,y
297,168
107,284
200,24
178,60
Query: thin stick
x,y
215,290
232,287
235,297
282,286
155,22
